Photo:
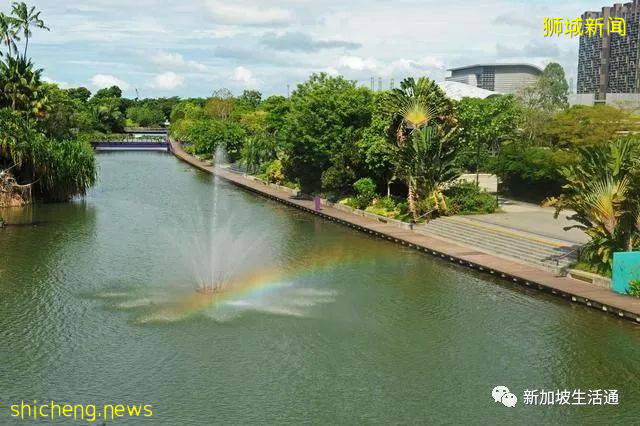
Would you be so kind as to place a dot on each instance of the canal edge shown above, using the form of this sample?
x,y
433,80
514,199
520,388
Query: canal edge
x,y
620,306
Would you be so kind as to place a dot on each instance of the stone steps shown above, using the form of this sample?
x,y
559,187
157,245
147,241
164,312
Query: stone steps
x,y
542,252
484,234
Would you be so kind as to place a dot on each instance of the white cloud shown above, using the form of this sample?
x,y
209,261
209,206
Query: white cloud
x,y
61,84
247,13
176,60
244,76
411,65
357,63
167,81
205,40
332,71
101,81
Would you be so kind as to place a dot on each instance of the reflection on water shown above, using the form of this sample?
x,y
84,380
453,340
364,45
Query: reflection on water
x,y
316,324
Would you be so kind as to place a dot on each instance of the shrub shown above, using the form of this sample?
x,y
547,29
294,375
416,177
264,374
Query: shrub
x,y
337,180
426,206
385,206
274,173
207,135
634,288
532,173
386,203
59,170
365,190
468,198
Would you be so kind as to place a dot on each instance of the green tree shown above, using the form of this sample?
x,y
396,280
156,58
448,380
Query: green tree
x,y
365,192
376,146
257,149
60,120
107,93
277,108
327,114
255,121
206,135
186,110
36,120
146,116
108,116
80,93
532,172
550,92
108,109
426,162
220,105
484,125
249,100
583,125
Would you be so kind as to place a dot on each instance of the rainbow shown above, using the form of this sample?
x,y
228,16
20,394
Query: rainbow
x,y
250,284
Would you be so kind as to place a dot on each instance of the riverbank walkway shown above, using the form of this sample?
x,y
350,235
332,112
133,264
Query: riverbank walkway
x,y
570,289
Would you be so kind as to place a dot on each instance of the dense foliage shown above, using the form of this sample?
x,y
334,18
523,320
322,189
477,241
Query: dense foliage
x,y
485,125
411,142
399,153
604,192
326,118
37,147
468,198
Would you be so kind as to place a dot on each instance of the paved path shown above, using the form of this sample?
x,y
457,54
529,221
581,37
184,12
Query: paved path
x,y
533,219
605,300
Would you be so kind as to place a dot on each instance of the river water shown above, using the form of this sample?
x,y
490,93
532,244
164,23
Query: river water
x,y
329,326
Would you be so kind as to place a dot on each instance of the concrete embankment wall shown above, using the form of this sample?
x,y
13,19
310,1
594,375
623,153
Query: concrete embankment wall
x,y
572,290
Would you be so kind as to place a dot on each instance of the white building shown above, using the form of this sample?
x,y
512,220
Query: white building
x,y
502,78
456,91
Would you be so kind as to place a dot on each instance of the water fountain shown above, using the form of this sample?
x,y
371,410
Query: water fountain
x,y
230,248
229,264
217,286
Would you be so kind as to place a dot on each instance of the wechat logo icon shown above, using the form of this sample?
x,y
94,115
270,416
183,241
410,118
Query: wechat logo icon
x,y
503,395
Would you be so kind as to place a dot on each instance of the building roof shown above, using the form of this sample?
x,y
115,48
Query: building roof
x,y
533,68
456,90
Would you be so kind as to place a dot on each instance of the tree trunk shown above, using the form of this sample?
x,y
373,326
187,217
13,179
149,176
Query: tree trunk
x,y
478,163
26,46
411,201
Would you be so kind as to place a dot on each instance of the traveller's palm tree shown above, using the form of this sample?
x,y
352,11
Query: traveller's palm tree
x,y
602,190
427,163
422,123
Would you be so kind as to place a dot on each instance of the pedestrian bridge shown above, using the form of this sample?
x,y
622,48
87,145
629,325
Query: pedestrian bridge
x,y
131,146
146,130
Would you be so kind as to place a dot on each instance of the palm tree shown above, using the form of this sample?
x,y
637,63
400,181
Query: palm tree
x,y
25,17
602,190
107,116
422,126
8,33
21,86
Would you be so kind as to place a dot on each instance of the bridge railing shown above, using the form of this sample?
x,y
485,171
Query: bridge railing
x,y
102,145
134,141
160,130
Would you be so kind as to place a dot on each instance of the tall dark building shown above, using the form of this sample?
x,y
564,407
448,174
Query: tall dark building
x,y
609,64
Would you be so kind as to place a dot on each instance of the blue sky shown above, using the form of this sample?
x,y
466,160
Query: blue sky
x,y
193,47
